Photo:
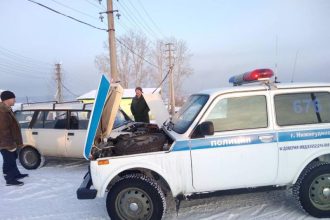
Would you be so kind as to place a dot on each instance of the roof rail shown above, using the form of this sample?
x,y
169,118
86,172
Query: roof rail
x,y
53,105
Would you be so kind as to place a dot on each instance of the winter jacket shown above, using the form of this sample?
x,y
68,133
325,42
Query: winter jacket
x,y
10,132
140,109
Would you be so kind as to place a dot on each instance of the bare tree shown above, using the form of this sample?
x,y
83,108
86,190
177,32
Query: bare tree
x,y
134,53
140,45
182,68
159,59
102,61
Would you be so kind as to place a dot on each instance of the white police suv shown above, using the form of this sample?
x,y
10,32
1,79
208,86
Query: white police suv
x,y
261,134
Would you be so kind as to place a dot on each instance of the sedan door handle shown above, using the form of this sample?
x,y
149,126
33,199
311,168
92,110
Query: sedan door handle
x,y
266,138
70,134
34,133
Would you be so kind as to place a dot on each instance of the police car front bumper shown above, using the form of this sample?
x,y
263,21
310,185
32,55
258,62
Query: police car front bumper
x,y
85,191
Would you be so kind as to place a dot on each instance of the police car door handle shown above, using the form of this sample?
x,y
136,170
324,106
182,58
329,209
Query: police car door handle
x,y
70,134
266,138
34,133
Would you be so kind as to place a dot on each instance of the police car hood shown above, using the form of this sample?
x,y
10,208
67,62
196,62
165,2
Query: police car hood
x,y
105,109
103,115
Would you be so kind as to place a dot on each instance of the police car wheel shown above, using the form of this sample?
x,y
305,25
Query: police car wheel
x,y
30,158
136,196
312,189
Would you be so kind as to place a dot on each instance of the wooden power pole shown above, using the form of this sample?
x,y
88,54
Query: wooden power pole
x,y
58,78
112,41
171,83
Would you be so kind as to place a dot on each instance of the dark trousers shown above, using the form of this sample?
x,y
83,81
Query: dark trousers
x,y
9,168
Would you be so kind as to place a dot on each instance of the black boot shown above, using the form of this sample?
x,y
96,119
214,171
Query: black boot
x,y
14,183
21,176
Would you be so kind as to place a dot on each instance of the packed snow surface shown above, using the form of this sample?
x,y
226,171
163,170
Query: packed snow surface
x,y
50,193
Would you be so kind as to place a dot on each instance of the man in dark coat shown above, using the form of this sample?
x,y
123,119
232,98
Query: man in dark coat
x,y
139,107
10,139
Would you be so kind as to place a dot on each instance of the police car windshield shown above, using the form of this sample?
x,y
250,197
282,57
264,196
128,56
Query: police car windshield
x,y
188,112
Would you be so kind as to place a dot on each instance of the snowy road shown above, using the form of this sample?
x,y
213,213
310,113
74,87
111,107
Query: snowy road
x,y
50,193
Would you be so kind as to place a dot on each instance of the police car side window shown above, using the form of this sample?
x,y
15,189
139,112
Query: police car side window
x,y
302,108
238,113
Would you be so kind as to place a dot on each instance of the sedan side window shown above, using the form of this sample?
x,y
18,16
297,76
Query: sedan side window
x,y
79,120
51,119
24,118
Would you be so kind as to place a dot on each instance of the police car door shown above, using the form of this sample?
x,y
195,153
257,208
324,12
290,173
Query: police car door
x,y
243,150
302,122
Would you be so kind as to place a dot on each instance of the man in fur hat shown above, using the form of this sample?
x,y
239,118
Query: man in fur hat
x,y
10,139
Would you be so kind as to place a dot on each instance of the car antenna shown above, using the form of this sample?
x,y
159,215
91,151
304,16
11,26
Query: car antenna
x,y
294,66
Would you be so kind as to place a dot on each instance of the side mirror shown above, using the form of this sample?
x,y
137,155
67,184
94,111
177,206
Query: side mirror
x,y
203,129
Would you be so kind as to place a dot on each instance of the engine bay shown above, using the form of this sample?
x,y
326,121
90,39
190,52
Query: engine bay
x,y
137,138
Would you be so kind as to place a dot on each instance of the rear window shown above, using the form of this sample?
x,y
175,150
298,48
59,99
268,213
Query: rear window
x,y
302,108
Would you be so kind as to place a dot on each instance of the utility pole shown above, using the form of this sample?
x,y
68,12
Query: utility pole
x,y
112,41
58,78
171,84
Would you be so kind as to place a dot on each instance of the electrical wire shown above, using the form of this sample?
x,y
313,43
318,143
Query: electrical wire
x,y
133,19
168,72
99,6
75,19
73,9
136,53
68,90
24,58
152,20
142,18
96,28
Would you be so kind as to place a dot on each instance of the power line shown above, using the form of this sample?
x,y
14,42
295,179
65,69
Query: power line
x,y
97,6
168,72
152,20
19,73
21,63
68,90
19,56
22,69
67,15
73,9
130,16
94,27
136,53
142,18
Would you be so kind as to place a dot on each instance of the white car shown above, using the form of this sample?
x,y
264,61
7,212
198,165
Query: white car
x,y
59,130
269,134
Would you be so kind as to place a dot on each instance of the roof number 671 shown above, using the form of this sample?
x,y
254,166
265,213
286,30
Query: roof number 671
x,y
304,105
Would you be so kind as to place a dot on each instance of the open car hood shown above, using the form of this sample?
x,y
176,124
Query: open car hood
x,y
103,115
105,109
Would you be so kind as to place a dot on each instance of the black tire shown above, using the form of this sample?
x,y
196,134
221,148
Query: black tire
x,y
140,144
30,158
136,196
312,189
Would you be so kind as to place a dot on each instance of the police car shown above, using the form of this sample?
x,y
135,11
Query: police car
x,y
259,134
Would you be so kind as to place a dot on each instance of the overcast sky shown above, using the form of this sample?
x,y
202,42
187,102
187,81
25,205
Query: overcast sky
x,y
226,37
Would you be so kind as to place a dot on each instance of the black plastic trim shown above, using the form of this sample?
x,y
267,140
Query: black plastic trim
x,y
85,191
